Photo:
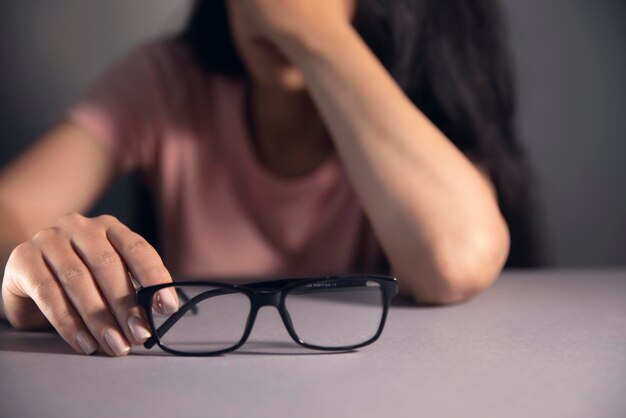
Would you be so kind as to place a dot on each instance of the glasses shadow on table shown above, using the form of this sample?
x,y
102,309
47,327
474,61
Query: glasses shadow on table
x,y
32,341
48,342
257,347
51,343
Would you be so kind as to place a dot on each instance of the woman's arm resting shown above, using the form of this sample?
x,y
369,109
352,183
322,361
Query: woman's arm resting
x,y
62,173
434,212
73,273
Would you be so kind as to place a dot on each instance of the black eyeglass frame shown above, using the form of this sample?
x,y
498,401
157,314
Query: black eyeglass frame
x,y
260,293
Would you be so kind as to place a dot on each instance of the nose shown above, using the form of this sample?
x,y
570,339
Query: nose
x,y
268,297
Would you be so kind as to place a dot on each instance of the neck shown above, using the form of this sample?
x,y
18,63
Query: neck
x,y
287,132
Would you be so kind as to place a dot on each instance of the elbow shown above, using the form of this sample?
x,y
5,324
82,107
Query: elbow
x,y
446,289
459,272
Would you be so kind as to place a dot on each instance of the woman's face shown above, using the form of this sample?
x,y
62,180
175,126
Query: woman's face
x,y
265,63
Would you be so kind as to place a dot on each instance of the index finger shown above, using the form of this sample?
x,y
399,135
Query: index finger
x,y
144,263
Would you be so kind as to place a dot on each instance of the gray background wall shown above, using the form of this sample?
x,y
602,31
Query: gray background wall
x,y
570,59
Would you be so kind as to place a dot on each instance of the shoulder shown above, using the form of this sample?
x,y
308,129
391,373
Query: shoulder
x,y
180,77
167,55
164,61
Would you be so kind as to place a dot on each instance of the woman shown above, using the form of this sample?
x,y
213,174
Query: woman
x,y
280,138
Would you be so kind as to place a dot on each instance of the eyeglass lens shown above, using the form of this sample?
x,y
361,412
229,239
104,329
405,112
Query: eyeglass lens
x,y
218,321
336,314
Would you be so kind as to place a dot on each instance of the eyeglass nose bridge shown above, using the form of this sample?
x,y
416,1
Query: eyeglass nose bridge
x,y
267,297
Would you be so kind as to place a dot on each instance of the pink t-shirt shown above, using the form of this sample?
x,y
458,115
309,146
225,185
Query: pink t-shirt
x,y
222,213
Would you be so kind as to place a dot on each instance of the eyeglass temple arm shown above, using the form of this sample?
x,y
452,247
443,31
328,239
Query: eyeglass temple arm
x,y
189,305
181,294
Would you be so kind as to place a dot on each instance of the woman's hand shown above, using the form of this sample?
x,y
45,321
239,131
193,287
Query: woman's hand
x,y
75,275
289,23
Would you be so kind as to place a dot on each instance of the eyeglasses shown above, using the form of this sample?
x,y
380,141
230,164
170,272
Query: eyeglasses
x,y
326,313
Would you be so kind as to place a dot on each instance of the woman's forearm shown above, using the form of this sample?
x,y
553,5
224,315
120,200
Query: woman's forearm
x,y
434,212
11,235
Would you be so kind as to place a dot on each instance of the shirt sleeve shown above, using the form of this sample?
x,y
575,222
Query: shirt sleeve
x,y
122,109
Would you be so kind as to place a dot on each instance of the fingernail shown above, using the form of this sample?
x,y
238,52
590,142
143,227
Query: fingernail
x,y
116,342
166,302
86,343
137,327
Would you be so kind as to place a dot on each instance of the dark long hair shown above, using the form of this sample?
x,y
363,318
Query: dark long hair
x,y
451,59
